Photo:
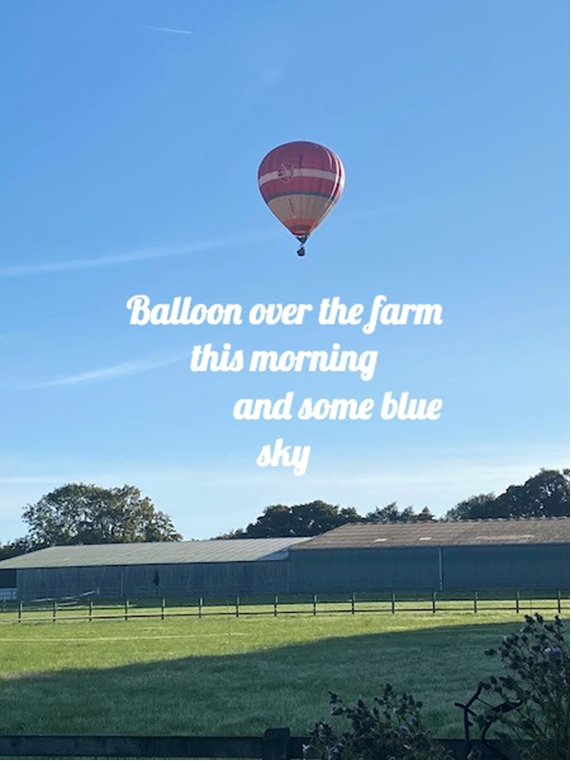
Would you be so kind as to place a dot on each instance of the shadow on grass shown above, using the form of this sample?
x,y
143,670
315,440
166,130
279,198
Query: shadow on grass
x,y
246,692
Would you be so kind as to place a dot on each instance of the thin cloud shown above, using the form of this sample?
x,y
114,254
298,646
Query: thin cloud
x,y
167,29
162,252
138,255
110,373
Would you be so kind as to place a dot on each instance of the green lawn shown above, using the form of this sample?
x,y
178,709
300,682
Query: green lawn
x,y
223,675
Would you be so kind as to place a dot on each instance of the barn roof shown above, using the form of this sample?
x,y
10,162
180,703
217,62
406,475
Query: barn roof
x,y
151,553
437,533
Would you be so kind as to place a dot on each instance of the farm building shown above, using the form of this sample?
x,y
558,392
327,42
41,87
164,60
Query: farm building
x,y
469,555
510,554
217,567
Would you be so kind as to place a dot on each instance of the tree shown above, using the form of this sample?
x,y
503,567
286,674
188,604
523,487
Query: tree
x,y
425,515
308,519
16,547
545,495
89,514
476,507
387,514
391,514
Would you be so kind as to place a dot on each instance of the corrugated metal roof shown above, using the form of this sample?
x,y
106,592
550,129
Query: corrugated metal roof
x,y
207,551
493,531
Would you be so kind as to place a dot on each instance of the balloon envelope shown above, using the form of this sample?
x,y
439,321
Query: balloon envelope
x,y
301,182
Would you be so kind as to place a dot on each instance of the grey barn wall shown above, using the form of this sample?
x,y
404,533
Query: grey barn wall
x,y
7,579
177,579
511,566
463,567
354,570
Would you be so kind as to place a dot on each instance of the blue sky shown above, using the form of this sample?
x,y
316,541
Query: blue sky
x,y
131,137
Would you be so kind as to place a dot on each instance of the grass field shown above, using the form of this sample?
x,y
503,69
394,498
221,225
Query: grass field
x,y
236,676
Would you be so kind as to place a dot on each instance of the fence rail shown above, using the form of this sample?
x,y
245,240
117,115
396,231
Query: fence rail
x,y
95,609
274,744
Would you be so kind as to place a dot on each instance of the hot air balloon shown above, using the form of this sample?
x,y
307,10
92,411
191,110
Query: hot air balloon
x,y
301,182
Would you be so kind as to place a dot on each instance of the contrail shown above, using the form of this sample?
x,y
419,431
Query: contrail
x,y
161,252
110,373
167,29
138,255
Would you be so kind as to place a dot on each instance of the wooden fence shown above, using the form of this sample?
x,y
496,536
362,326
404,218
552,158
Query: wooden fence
x,y
92,609
274,744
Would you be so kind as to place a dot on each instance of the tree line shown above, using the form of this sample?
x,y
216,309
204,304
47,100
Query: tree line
x,y
545,495
89,514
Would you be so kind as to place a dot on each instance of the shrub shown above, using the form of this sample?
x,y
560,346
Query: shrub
x,y
530,701
391,728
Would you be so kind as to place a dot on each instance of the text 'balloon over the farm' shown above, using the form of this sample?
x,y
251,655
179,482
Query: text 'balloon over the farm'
x,y
301,182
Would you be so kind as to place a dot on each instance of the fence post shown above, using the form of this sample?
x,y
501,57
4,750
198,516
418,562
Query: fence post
x,y
54,611
126,610
163,606
517,601
353,604
475,602
275,743
393,602
237,606
434,602
314,605
200,607
90,610
275,605
559,601
20,610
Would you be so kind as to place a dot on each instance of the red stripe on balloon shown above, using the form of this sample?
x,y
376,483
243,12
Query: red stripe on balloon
x,y
306,185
